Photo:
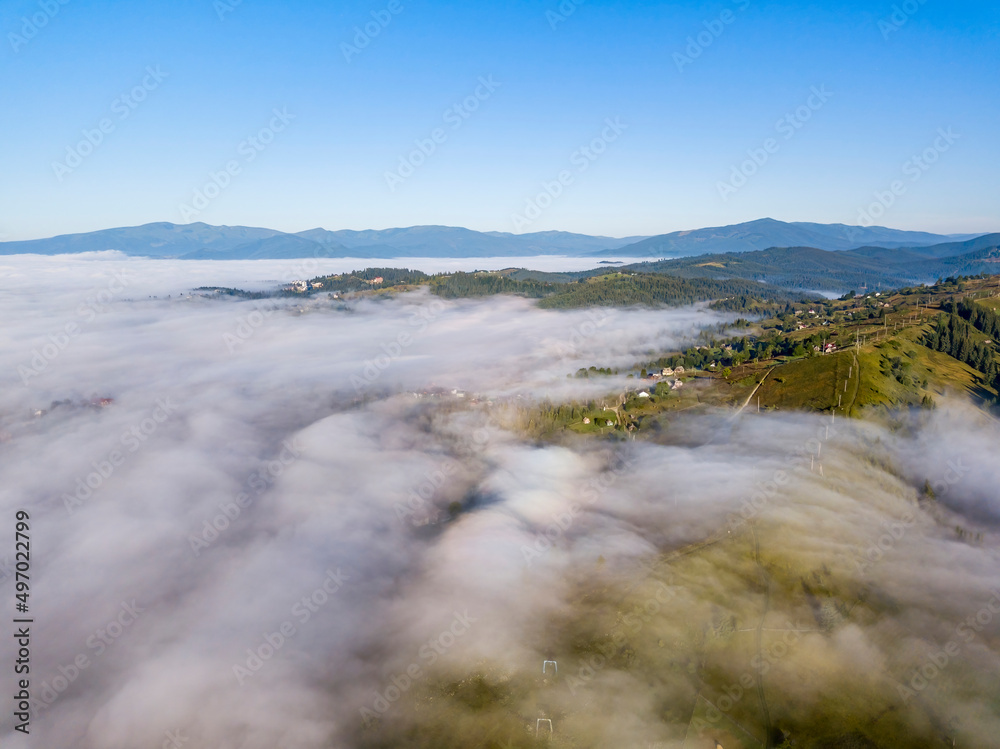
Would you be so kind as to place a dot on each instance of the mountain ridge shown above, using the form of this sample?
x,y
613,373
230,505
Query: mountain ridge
x,y
817,269
765,233
201,241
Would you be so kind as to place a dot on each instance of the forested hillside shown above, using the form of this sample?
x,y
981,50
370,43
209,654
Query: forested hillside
x,y
866,267
457,285
361,280
658,290
954,336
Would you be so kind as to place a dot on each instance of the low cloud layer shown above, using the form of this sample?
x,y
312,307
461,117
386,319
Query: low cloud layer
x,y
266,539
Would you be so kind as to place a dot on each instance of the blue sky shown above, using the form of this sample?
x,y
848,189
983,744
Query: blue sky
x,y
714,111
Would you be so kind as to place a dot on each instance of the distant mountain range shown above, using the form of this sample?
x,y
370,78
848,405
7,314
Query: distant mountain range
x,y
766,233
199,241
821,270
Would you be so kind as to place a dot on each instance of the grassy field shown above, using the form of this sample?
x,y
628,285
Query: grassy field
x,y
809,384
992,302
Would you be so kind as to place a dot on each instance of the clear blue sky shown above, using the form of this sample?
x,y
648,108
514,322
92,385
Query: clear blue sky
x,y
688,120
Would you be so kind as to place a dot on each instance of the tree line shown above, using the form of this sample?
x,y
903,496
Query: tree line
x,y
981,318
954,336
461,285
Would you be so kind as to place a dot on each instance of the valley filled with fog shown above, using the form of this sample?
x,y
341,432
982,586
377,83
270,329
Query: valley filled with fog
x,y
317,523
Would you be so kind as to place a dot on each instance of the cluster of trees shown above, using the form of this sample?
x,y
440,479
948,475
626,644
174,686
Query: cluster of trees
x,y
660,290
547,417
582,373
360,280
981,318
224,291
954,336
744,303
459,285
958,282
901,370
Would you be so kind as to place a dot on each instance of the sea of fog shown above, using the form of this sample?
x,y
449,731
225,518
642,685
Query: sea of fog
x,y
258,274
252,528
